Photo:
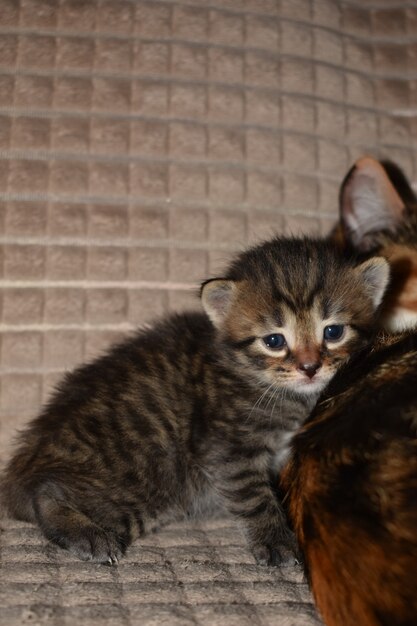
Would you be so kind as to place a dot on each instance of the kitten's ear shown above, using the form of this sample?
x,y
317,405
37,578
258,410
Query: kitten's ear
x,y
374,274
217,296
369,203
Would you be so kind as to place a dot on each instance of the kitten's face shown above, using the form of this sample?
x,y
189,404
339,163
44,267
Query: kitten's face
x,y
294,326
299,349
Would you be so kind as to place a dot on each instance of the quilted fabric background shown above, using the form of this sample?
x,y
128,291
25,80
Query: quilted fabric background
x,y
141,144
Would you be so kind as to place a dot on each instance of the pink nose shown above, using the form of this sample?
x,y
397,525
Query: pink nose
x,y
309,368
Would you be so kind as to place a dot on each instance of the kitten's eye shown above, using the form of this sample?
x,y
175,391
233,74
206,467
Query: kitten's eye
x,y
275,342
334,332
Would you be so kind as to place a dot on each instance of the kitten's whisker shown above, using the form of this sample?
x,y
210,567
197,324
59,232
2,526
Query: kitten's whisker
x,y
271,398
277,393
259,401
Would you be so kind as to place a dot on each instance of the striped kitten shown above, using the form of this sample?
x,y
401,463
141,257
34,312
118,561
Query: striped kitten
x,y
352,480
199,408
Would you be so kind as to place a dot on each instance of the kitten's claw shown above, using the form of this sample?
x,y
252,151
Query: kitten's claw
x,y
113,560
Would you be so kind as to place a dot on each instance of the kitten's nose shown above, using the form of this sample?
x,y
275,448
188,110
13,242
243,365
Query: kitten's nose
x,y
309,368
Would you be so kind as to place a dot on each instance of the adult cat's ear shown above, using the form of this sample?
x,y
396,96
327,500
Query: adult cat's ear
x,y
374,274
370,202
216,296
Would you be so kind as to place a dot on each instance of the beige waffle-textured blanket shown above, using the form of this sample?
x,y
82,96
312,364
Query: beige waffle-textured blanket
x,y
189,574
141,143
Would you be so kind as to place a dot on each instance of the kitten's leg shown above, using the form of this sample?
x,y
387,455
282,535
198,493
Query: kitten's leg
x,y
246,489
74,531
264,522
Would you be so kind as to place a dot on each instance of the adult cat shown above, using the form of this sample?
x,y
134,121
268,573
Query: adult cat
x,y
351,483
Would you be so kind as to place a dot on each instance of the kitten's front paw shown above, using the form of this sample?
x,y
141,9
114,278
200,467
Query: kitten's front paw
x,y
94,544
285,552
266,555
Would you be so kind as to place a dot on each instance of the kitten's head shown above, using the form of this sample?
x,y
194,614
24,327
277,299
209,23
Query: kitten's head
x,y
378,215
293,310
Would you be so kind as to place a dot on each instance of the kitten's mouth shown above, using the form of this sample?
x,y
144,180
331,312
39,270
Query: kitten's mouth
x,y
310,385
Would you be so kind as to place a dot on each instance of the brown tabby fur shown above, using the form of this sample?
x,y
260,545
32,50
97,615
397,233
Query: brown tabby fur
x,y
195,411
351,482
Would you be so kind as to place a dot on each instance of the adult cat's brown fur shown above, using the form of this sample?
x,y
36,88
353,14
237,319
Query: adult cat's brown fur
x,y
198,408
352,480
